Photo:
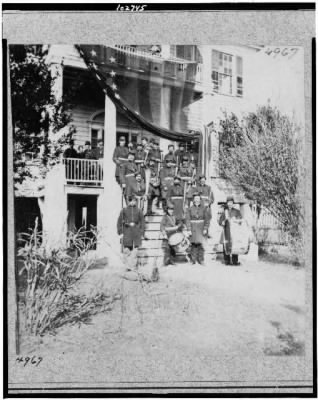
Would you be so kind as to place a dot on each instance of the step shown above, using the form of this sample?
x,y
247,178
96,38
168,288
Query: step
x,y
153,244
153,234
152,226
150,252
153,218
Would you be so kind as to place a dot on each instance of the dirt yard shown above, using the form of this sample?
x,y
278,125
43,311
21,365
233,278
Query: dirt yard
x,y
179,328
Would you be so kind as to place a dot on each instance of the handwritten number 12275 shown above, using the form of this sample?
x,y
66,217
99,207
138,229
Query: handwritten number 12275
x,y
29,360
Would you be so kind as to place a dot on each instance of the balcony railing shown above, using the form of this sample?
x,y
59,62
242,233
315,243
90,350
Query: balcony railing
x,y
175,68
83,171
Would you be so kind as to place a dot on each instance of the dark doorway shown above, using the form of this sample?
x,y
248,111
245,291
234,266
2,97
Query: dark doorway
x,y
26,210
82,213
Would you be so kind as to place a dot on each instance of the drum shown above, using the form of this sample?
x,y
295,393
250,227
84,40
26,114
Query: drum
x,y
240,235
179,242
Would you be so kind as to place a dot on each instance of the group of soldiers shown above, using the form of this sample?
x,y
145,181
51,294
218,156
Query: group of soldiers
x,y
173,181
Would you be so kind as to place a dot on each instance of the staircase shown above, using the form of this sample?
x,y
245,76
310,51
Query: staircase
x,y
152,249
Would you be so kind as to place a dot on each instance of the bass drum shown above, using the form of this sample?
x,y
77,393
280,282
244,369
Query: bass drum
x,y
179,242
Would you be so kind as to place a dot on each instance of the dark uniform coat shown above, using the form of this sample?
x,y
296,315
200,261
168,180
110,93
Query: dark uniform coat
x,y
154,184
175,196
226,234
128,171
197,219
131,223
180,156
70,153
205,191
140,161
172,158
166,178
120,156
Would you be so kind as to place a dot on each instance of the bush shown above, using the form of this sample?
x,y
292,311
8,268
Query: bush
x,y
260,155
50,277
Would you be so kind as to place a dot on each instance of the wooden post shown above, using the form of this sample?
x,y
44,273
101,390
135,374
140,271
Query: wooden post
x,y
109,202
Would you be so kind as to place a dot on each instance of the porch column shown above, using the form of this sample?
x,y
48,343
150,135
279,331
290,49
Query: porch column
x,y
109,202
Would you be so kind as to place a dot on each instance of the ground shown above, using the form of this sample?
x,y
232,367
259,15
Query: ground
x,y
180,328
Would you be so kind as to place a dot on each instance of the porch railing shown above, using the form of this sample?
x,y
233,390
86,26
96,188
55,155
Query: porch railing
x,y
175,68
83,171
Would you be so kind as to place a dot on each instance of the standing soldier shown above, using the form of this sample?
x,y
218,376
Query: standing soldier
x,y
171,155
204,190
128,172
181,153
198,222
229,213
140,158
131,148
155,154
167,174
131,225
137,188
187,173
175,196
120,156
154,187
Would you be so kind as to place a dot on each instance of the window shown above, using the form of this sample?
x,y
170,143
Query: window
x,y
97,133
186,52
224,79
239,76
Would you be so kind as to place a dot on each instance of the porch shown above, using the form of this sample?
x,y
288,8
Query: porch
x,y
83,171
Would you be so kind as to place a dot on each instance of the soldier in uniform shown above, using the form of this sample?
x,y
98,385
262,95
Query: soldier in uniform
x,y
229,213
187,173
154,187
204,190
155,154
170,155
198,222
131,225
131,148
181,153
175,196
120,156
140,159
137,188
128,171
167,174
168,226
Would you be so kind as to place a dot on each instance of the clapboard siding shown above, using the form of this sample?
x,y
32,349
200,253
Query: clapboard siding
x,y
81,116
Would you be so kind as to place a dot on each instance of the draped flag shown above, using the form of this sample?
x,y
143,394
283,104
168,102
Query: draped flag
x,y
137,86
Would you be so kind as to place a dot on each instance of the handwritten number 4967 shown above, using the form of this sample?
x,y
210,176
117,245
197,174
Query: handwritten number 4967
x,y
29,360
283,51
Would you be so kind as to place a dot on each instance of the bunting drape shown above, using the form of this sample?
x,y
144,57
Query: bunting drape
x,y
99,61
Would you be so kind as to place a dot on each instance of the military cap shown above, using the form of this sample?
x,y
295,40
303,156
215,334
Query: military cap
x,y
202,176
177,177
87,143
122,138
230,198
131,197
131,154
170,145
196,194
170,206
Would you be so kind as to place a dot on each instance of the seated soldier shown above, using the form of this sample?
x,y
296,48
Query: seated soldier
x,y
168,226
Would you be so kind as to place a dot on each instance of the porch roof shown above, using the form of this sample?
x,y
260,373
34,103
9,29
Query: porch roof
x,y
107,85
